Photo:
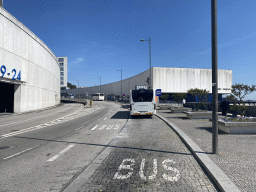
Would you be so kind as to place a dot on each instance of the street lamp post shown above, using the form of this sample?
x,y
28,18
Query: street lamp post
x,y
149,40
100,83
121,82
214,78
78,87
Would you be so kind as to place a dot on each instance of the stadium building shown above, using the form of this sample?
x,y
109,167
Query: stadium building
x,y
29,71
169,80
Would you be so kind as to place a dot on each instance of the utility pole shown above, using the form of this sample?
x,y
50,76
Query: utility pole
x,y
214,78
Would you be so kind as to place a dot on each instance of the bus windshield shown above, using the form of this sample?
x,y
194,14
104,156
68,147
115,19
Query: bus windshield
x,y
142,95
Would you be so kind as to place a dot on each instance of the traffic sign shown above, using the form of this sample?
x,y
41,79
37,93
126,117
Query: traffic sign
x,y
158,92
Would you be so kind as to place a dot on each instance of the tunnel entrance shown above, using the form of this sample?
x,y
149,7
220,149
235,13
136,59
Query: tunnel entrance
x,y
6,97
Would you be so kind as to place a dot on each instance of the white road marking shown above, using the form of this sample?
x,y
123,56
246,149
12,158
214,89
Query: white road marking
x,y
165,176
20,152
102,127
35,118
154,170
59,120
122,166
94,127
79,128
61,153
142,176
117,127
110,127
104,118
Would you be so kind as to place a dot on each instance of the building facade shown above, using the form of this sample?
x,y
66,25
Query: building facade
x,y
63,62
29,71
169,80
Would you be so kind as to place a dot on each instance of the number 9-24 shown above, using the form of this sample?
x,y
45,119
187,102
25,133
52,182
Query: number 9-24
x,y
3,71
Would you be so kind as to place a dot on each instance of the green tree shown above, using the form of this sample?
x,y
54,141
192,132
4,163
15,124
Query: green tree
x,y
239,91
164,97
202,95
179,96
69,85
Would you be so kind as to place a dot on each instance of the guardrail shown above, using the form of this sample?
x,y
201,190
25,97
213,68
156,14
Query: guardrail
x,y
76,100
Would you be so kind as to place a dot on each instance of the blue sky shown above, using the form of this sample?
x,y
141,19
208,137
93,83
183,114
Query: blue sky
x,y
100,37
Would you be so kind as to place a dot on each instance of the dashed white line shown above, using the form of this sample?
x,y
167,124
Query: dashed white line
x,y
57,121
35,118
60,153
79,128
20,152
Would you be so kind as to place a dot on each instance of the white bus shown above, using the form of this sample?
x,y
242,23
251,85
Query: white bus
x,y
142,102
98,97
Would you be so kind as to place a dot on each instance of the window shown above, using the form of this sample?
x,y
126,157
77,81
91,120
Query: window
x,y
62,83
61,64
142,95
61,68
62,78
61,73
61,59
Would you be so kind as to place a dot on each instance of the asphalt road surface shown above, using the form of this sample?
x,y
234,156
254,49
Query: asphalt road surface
x,y
75,148
46,150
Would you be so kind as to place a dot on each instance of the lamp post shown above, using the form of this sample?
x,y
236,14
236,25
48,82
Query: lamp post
x,y
214,78
121,82
78,87
100,83
149,40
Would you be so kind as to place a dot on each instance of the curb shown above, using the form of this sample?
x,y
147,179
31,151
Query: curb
x,y
216,174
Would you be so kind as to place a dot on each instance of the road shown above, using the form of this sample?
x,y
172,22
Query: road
x,y
75,148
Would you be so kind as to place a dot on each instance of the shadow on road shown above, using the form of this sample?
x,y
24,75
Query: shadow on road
x,y
101,145
121,115
209,129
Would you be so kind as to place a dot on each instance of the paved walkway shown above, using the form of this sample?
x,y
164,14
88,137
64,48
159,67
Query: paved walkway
x,y
237,153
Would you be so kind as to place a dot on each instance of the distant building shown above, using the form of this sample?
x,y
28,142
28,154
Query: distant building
x,y
169,80
63,62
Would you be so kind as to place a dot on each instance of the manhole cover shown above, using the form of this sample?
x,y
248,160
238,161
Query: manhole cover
x,y
5,147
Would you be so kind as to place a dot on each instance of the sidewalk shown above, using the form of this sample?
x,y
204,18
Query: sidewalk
x,y
237,153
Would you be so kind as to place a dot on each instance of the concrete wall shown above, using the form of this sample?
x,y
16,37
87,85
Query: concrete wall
x,y
179,80
114,88
22,50
169,80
